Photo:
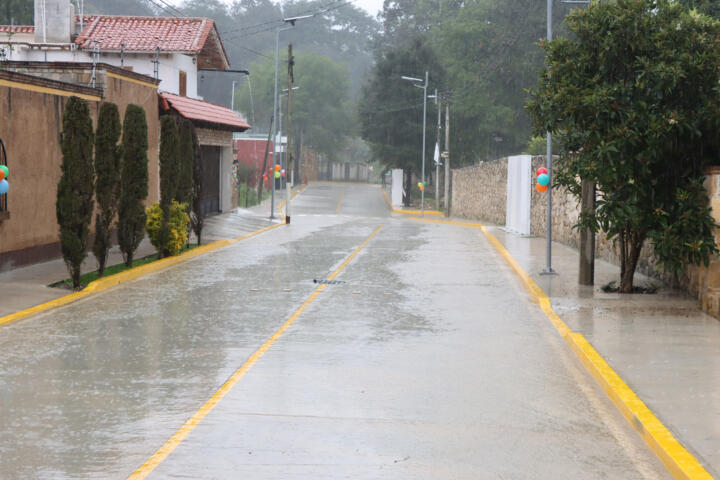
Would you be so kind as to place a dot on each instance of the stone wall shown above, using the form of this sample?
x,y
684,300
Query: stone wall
x,y
479,193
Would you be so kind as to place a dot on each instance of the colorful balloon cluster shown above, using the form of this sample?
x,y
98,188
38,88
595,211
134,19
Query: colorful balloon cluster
x,y
4,185
277,171
542,179
422,186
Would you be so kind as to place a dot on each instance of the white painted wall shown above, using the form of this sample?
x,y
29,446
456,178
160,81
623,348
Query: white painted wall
x,y
517,213
170,64
397,187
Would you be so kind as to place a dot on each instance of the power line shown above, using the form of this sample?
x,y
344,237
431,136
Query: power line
x,y
165,8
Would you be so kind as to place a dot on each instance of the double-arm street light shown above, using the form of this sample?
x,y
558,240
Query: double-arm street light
x,y
422,175
290,21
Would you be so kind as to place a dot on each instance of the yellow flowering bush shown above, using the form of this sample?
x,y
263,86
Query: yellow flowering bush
x,y
177,227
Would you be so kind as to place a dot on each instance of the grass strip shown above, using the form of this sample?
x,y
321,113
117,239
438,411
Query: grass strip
x,y
86,278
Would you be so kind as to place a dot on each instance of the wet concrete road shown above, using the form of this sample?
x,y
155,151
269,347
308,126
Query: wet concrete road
x,y
429,361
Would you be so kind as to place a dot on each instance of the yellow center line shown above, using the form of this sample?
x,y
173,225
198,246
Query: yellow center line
x,y
342,197
163,452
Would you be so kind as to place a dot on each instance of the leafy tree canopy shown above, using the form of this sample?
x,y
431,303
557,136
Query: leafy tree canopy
x,y
321,107
16,12
391,112
634,99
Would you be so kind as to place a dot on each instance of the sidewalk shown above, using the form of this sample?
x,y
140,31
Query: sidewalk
x,y
664,347
26,287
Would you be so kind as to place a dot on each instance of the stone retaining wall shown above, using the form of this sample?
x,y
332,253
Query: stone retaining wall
x,y
479,193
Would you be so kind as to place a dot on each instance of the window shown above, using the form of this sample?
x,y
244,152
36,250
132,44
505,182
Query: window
x,y
183,84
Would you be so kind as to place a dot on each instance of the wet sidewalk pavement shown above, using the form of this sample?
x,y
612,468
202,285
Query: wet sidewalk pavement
x,y
27,286
664,347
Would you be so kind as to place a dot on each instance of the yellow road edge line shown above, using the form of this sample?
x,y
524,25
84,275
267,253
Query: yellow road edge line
x,y
339,204
162,453
447,222
292,195
408,212
676,458
104,283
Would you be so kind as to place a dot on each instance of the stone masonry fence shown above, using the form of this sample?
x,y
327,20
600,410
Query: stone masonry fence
x,y
479,193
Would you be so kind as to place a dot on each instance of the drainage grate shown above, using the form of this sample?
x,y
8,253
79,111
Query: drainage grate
x,y
328,282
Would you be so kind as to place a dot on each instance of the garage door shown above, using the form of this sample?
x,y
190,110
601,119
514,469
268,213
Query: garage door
x,y
210,199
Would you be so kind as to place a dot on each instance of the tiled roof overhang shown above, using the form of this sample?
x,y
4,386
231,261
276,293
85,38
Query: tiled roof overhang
x,y
204,113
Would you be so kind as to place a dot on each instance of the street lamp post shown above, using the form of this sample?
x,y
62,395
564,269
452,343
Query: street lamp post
x,y
422,174
291,21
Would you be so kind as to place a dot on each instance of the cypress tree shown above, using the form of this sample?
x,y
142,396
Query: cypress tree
x,y
133,182
108,156
185,165
74,205
196,216
169,162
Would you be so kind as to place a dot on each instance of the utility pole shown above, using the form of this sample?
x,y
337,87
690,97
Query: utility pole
x,y
288,149
437,160
448,174
586,274
548,162
262,172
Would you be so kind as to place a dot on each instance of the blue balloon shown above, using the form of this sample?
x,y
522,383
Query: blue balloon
x,y
543,179
4,187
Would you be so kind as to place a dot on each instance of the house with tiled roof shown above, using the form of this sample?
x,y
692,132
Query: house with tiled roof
x,y
168,49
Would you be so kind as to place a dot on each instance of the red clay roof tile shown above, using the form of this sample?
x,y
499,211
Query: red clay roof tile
x,y
17,29
145,34
202,111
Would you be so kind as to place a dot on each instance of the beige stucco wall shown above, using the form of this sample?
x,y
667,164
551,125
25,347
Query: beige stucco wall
x,y
30,125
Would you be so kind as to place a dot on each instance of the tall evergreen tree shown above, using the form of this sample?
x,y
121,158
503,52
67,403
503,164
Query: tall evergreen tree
x,y
169,152
108,155
391,115
74,205
196,215
133,182
186,157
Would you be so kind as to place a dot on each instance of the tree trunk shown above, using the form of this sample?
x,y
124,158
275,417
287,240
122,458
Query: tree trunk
x,y
129,259
76,278
631,247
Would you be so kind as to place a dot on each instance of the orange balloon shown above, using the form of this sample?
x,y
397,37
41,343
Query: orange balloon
x,y
277,167
540,188
2,174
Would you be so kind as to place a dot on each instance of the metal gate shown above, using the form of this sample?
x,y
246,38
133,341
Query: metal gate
x,y
210,199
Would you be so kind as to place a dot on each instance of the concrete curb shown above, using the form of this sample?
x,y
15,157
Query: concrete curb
x,y
408,212
105,283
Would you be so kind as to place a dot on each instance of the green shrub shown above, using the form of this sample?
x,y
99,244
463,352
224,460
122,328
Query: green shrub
x,y
177,222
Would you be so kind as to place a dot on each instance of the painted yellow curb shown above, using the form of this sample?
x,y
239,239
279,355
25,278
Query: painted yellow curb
x,y
102,284
681,463
162,453
408,212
